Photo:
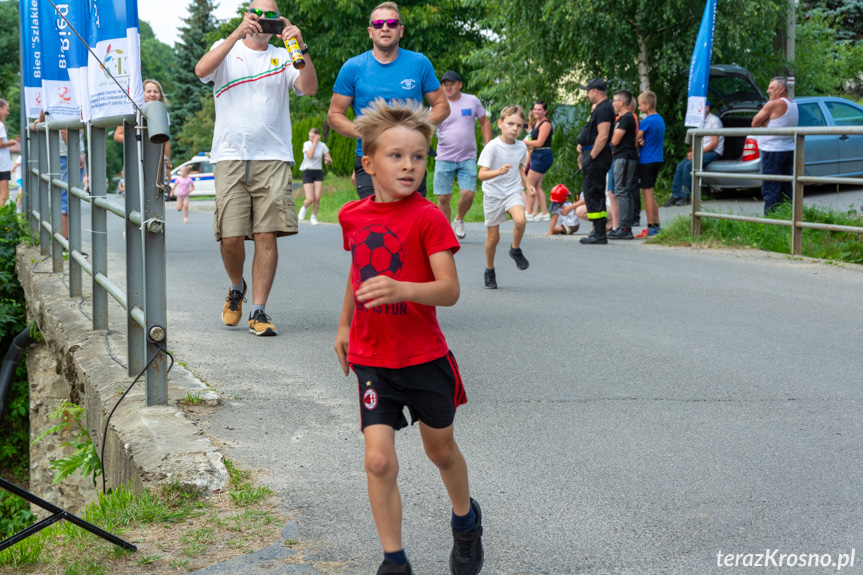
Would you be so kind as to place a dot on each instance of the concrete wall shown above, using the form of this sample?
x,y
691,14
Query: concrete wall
x,y
145,446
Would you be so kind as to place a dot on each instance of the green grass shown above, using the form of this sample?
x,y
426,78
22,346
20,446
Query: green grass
x,y
834,246
243,493
192,398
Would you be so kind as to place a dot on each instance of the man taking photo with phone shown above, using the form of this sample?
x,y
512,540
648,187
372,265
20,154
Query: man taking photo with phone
x,y
252,151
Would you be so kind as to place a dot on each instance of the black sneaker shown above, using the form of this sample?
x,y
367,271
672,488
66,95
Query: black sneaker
x,y
593,239
621,234
682,201
390,567
520,261
466,557
672,201
490,280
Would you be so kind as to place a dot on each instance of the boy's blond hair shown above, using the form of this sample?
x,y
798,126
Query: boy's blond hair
x,y
512,110
315,131
649,98
380,117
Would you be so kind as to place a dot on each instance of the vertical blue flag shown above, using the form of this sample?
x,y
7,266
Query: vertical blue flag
x,y
699,68
62,52
31,57
115,38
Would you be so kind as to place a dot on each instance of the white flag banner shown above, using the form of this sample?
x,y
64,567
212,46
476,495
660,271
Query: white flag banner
x,y
114,37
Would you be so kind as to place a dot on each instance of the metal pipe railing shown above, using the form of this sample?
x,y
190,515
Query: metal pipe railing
x,y
797,178
144,299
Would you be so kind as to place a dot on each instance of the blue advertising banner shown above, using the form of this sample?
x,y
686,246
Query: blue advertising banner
x,y
62,53
114,37
31,57
699,68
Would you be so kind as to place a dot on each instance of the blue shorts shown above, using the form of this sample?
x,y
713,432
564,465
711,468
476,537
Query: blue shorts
x,y
465,173
64,175
541,160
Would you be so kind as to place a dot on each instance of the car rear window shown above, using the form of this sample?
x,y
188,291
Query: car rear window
x,y
845,115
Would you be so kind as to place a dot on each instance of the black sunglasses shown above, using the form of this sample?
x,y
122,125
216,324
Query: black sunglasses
x,y
263,14
391,23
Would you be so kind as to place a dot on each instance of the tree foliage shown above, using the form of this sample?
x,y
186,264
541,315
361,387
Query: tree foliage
x,y
189,89
157,59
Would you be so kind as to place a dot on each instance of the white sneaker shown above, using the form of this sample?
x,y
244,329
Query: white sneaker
x,y
302,215
458,225
543,217
529,218
314,220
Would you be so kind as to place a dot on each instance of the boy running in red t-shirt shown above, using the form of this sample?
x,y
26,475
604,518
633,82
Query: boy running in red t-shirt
x,y
402,266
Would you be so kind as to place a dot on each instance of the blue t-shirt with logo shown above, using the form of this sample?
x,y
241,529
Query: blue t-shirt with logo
x,y
653,127
365,79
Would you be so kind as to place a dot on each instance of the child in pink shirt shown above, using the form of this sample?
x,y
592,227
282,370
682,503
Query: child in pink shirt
x,y
183,186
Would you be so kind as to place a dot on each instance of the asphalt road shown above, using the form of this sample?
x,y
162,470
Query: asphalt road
x,y
631,409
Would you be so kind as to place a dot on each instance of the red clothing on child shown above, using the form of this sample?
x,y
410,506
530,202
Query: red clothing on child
x,y
395,239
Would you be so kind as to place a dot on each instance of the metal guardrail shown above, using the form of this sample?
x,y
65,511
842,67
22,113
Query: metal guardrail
x,y
798,178
143,212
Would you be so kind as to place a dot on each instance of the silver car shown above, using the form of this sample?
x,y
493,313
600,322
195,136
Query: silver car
x,y
739,99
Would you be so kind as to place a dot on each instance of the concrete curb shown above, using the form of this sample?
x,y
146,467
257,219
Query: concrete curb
x,y
146,446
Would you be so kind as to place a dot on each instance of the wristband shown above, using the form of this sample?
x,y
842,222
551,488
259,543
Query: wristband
x,y
305,49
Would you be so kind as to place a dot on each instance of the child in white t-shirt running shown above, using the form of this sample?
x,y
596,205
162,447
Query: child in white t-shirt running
x,y
315,153
501,171
564,219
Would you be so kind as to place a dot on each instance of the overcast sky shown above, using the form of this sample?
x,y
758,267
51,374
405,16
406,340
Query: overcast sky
x,y
166,16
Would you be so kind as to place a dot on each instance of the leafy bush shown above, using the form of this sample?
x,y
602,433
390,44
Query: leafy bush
x,y
15,428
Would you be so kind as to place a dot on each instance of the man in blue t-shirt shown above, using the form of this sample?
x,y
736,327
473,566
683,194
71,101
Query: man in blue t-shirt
x,y
385,72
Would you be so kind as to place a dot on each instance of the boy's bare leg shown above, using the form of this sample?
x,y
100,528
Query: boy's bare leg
x,y
651,208
382,469
443,451
443,204
465,201
492,237
612,204
518,224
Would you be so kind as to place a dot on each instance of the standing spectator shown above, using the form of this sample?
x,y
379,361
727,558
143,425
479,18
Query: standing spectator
x,y
183,186
650,137
501,170
456,150
389,333
541,159
777,152
153,92
712,149
625,165
253,156
386,71
595,141
5,156
315,153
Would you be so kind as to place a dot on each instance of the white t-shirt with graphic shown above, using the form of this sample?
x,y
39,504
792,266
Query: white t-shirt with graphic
x,y
315,162
495,154
253,120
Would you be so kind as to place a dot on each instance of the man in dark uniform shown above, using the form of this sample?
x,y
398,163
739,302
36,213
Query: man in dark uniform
x,y
595,140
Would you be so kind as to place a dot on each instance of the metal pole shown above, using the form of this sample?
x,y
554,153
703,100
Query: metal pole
x,y
98,227
155,284
696,184
137,337
790,40
74,150
44,236
54,169
797,200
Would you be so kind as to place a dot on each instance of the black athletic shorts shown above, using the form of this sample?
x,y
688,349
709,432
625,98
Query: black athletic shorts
x,y
312,176
647,174
5,176
366,188
431,391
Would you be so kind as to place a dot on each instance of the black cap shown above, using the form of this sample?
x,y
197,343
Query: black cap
x,y
596,84
451,76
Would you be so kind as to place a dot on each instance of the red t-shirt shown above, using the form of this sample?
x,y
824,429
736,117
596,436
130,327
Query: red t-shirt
x,y
395,239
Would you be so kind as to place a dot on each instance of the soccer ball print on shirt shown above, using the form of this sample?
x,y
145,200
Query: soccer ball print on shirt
x,y
377,251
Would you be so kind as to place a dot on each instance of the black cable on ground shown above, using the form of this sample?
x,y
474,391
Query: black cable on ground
x,y
10,364
116,405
